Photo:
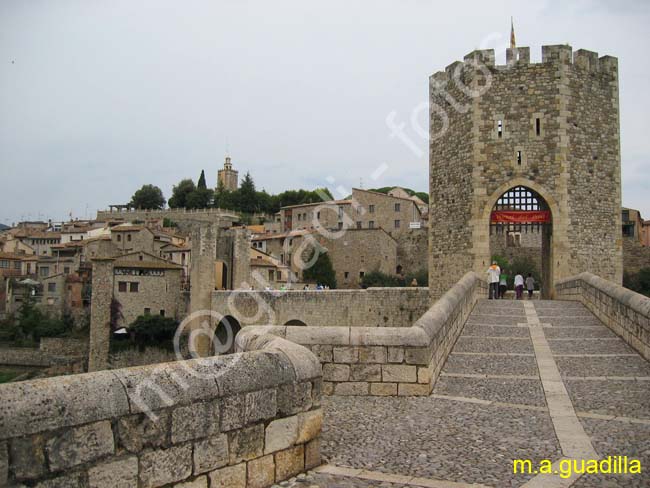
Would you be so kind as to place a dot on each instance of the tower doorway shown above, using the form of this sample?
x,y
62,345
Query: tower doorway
x,y
521,236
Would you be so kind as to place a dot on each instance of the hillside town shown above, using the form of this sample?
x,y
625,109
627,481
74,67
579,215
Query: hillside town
x,y
367,233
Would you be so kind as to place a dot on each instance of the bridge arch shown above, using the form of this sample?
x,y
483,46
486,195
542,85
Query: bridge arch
x,y
297,322
225,334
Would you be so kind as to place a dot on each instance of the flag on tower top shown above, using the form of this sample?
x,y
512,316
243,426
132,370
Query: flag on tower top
x,y
513,44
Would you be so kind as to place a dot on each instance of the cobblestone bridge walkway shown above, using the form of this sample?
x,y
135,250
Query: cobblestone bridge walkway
x,y
526,380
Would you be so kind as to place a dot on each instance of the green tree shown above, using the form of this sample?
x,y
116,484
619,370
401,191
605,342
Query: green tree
x,y
523,265
199,198
503,262
201,184
246,195
321,271
149,197
33,324
180,193
424,196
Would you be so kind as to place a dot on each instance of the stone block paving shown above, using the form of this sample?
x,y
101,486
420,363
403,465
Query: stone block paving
x,y
578,333
494,319
322,480
571,321
597,346
435,438
494,365
525,392
598,366
611,397
473,437
495,331
488,344
618,439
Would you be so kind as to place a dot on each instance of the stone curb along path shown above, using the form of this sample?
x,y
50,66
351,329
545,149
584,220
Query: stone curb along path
x,y
573,439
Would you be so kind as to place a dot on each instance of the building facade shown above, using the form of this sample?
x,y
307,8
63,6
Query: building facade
x,y
145,284
358,252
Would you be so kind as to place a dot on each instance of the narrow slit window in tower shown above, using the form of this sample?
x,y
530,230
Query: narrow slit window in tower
x,y
538,126
499,128
519,158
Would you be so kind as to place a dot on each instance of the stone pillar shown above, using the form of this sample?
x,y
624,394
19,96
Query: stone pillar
x,y
202,280
241,264
100,314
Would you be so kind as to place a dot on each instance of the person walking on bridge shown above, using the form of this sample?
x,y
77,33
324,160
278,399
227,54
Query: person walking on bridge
x,y
503,284
519,286
530,285
493,279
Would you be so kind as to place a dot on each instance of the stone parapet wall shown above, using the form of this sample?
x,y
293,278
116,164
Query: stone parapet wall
x,y
388,361
64,346
244,420
129,358
211,215
626,312
374,307
24,356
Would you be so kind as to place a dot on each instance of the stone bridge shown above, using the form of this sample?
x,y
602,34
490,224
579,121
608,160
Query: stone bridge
x,y
450,401
489,382
373,307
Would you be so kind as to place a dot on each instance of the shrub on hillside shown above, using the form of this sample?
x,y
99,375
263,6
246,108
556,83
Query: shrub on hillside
x,y
154,330
638,282
379,279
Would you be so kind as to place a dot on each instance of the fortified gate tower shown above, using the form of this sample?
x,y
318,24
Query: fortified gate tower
x,y
526,148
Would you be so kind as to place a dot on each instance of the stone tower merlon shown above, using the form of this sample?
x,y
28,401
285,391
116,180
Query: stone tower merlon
x,y
552,127
581,58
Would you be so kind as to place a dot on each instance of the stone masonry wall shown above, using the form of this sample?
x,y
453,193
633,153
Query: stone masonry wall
x,y
208,215
625,312
388,361
413,250
24,356
157,293
374,307
635,256
360,251
63,346
243,420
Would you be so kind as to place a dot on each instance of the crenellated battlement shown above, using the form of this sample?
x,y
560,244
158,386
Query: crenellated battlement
x,y
520,56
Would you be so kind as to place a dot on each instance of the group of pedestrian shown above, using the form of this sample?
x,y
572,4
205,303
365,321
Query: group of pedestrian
x,y
498,283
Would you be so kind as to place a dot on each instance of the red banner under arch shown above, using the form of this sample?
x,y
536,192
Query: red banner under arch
x,y
521,217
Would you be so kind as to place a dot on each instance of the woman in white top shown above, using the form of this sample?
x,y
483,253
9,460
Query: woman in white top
x,y
519,286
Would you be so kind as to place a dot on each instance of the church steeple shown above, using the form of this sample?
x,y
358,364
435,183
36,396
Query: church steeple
x,y
228,177
513,44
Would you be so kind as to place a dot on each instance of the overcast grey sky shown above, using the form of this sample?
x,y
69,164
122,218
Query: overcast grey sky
x,y
98,98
